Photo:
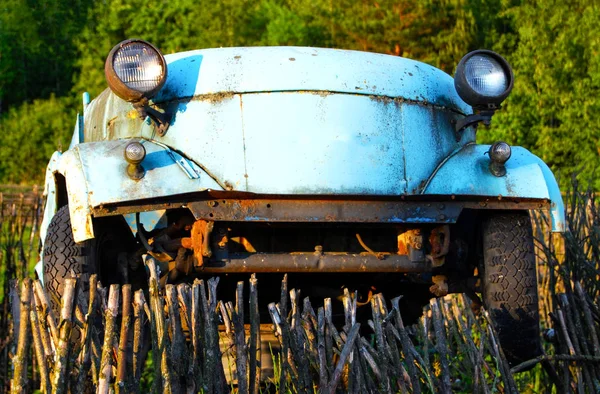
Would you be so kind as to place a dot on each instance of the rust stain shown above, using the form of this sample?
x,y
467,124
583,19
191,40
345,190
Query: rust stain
x,y
402,244
200,235
214,97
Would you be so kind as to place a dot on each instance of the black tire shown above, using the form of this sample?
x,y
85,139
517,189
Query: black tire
x,y
63,258
510,284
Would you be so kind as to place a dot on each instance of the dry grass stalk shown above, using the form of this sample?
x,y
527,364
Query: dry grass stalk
x,y
39,349
110,324
47,312
197,331
84,359
122,384
19,383
163,375
254,340
178,351
59,379
346,350
138,337
240,340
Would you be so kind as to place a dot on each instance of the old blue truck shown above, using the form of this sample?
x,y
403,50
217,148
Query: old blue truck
x,y
344,168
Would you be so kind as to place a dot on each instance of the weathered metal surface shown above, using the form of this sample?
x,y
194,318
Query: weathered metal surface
x,y
350,144
379,125
284,69
197,201
527,176
319,210
315,262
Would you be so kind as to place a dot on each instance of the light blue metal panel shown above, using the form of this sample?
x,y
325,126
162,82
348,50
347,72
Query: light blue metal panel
x,y
428,138
104,169
467,173
210,132
273,69
319,144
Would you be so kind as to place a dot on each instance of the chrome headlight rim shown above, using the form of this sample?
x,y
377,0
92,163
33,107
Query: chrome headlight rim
x,y
469,94
120,88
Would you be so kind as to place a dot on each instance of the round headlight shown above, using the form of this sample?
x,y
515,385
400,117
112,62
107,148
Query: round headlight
x,y
135,69
483,79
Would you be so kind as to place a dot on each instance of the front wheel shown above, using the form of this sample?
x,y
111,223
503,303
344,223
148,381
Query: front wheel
x,y
104,255
510,284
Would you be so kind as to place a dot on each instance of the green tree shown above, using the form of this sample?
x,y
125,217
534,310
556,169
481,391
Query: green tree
x,y
37,52
30,134
554,109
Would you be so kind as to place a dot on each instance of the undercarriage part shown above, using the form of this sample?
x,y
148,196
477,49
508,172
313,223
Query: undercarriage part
x,y
410,243
190,247
200,240
380,256
315,262
439,240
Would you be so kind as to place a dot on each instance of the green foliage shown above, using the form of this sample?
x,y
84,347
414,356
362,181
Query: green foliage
x,y
30,134
59,48
554,109
37,48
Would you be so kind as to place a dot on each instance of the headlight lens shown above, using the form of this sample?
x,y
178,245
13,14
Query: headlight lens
x,y
138,66
485,75
483,79
135,69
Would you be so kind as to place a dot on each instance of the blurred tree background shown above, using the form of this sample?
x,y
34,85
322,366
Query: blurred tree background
x,y
53,50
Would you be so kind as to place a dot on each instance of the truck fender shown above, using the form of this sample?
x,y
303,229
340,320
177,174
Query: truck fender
x,y
466,173
95,174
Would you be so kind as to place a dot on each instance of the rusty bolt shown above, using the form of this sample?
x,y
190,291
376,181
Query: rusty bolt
x,y
213,203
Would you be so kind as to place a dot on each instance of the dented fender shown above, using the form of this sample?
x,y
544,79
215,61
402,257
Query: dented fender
x,y
95,174
466,173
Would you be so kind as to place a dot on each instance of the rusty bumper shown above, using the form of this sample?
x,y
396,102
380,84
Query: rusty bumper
x,y
217,206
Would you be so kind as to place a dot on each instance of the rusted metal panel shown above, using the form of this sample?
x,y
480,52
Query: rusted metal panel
x,y
467,173
319,210
316,209
315,262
